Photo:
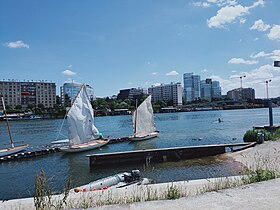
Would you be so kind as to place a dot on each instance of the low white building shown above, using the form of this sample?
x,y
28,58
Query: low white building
x,y
167,93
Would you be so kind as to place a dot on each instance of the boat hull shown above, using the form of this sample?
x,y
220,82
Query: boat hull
x,y
85,147
141,138
13,150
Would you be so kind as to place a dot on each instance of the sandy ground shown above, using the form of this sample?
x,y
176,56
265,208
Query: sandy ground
x,y
255,196
266,155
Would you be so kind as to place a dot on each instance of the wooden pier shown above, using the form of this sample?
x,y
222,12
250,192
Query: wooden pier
x,y
161,155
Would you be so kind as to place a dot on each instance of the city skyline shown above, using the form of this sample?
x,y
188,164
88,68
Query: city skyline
x,y
141,43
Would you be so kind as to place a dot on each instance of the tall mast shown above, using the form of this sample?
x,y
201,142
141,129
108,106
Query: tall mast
x,y
10,134
135,120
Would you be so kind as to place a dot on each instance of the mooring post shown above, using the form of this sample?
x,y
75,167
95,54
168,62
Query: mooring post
x,y
270,113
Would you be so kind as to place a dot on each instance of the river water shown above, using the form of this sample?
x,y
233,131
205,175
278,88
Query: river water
x,y
176,129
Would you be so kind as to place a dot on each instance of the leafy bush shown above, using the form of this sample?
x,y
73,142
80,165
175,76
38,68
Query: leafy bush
x,y
250,136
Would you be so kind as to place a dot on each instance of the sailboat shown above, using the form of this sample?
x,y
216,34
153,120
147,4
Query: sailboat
x,y
82,133
13,149
143,121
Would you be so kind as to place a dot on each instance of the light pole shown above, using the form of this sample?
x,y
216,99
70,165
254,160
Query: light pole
x,y
276,64
241,77
241,90
266,82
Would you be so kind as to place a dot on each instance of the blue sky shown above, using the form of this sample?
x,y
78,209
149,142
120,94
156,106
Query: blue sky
x,y
137,43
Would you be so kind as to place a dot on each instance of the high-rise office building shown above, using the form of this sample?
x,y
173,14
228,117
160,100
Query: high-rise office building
x,y
167,92
28,93
210,89
69,92
191,86
216,89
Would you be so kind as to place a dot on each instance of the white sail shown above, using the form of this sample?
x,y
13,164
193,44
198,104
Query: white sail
x,y
143,119
80,120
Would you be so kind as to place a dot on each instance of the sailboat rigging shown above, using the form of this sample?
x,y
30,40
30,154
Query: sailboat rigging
x,y
143,121
13,149
82,133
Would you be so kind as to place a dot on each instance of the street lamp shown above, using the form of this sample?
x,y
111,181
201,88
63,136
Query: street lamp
x,y
266,82
241,77
241,90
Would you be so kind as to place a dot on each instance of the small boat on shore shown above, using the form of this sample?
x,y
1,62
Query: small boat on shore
x,y
118,181
13,149
143,121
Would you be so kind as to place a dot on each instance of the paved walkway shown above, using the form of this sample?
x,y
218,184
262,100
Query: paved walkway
x,y
259,196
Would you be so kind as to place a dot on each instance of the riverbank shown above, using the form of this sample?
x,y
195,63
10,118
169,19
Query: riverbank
x,y
195,194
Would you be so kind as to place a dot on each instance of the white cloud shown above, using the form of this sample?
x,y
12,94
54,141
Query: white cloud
x,y
154,73
69,66
172,73
242,21
209,3
204,70
259,25
156,84
68,73
256,39
257,3
16,44
274,55
226,15
230,13
254,79
201,4
69,80
274,33
242,61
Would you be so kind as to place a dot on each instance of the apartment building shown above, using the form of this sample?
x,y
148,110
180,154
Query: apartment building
x,y
241,94
132,93
28,93
167,92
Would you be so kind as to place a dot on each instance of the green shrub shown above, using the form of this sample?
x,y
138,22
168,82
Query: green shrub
x,y
250,136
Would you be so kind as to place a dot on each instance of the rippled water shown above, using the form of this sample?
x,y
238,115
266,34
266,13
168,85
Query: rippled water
x,y
176,129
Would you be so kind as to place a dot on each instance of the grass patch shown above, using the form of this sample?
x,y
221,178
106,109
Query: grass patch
x,y
260,175
173,193
43,195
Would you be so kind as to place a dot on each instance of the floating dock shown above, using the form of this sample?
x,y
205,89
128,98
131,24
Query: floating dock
x,y
267,127
161,155
29,154
118,140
